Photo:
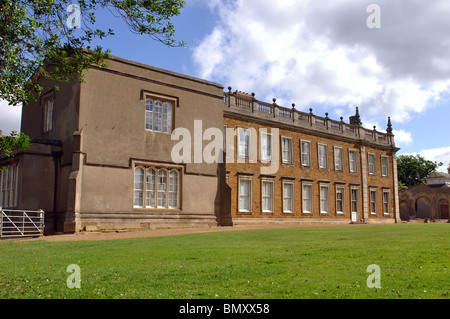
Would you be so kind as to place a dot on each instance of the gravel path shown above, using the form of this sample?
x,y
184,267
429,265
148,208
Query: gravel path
x,y
96,235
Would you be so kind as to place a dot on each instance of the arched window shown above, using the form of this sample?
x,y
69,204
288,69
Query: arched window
x,y
48,114
12,186
162,189
167,118
6,183
443,209
156,188
173,189
149,114
404,210
150,188
9,186
138,187
2,186
158,116
423,208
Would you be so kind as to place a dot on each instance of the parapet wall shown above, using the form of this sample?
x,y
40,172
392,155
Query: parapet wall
x,y
242,104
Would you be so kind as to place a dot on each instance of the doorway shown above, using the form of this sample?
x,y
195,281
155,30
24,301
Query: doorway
x,y
423,208
354,205
443,209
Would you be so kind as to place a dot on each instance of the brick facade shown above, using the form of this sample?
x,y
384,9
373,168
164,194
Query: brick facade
x,y
238,113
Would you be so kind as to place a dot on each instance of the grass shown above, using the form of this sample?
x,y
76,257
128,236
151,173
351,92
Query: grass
x,y
327,262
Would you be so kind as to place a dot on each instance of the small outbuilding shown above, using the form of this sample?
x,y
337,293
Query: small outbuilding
x,y
427,201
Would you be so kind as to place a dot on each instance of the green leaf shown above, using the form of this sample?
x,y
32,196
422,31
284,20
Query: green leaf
x,y
34,35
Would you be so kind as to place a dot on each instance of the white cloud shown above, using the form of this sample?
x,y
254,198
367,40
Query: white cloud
x,y
315,54
9,117
438,155
402,138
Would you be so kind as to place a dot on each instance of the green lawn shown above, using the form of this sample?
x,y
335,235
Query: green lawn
x,y
327,262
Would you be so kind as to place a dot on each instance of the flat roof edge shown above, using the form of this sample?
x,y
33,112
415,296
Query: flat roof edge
x,y
164,71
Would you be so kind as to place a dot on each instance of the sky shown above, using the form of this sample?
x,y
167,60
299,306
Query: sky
x,y
334,55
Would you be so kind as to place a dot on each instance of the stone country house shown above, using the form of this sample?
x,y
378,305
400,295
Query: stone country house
x,y
102,155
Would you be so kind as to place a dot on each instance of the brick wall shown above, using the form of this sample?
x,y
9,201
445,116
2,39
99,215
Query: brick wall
x,y
297,174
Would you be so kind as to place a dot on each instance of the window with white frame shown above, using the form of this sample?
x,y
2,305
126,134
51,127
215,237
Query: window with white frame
x,y
9,186
48,114
156,188
286,150
386,194
324,199
371,160
243,136
322,155
173,189
338,159
150,188
267,188
162,189
307,196
158,115
384,166
149,119
354,199
139,187
265,146
373,201
245,194
352,161
306,153
288,196
340,195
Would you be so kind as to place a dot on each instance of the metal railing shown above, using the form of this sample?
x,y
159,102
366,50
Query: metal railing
x,y
21,223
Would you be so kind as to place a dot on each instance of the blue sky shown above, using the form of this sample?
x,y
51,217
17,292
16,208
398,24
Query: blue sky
x,y
318,54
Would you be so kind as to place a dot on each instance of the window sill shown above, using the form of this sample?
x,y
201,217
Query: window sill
x,y
160,132
287,163
145,209
245,213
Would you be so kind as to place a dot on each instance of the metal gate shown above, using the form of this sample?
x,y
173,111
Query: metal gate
x,y
21,223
